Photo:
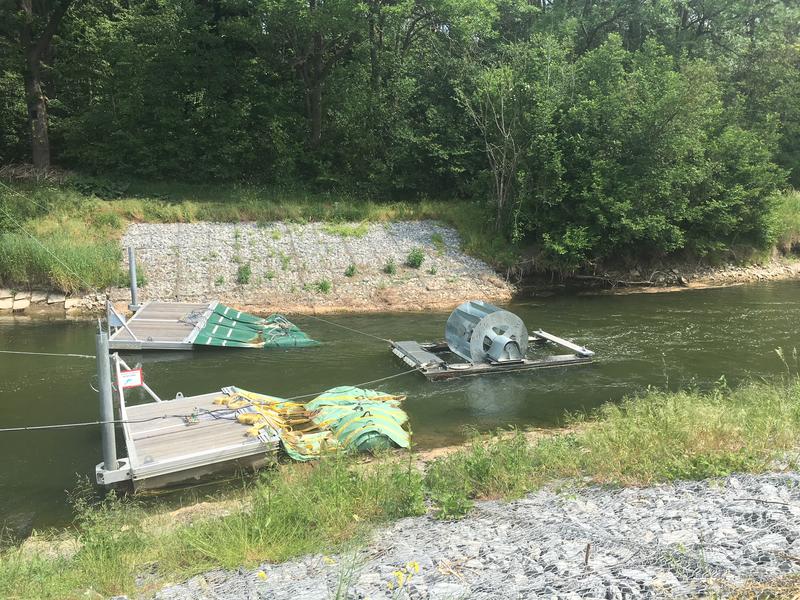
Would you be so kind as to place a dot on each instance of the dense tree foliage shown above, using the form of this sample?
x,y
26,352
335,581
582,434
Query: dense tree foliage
x,y
592,128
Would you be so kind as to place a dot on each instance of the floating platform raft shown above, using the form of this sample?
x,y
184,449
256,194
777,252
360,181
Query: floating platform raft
x,y
432,361
172,441
182,326
481,339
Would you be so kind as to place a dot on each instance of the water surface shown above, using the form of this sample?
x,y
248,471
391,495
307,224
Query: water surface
x,y
672,339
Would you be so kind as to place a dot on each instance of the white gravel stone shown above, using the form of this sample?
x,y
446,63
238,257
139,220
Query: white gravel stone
x,y
290,264
535,548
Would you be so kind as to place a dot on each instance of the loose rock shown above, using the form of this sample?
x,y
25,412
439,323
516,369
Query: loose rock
x,y
657,542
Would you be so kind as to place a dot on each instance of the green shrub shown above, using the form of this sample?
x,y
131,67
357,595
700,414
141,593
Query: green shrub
x,y
415,258
243,274
786,222
390,268
323,286
351,271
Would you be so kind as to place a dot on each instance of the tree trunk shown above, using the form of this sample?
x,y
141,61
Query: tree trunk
x,y
315,93
316,114
374,12
37,114
35,48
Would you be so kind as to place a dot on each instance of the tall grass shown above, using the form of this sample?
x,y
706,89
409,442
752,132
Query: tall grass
x,y
59,261
787,222
656,437
298,510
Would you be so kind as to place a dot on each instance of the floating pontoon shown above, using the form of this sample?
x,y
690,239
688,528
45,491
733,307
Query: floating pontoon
x,y
171,441
490,340
182,326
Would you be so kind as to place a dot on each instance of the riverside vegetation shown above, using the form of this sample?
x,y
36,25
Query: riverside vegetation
x,y
658,436
583,132
77,232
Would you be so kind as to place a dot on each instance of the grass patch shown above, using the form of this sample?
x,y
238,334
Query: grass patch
x,y
656,437
356,230
787,223
438,242
57,261
323,286
309,508
351,271
296,510
390,268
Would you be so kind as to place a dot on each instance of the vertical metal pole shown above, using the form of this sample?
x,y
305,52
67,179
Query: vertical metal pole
x,y
106,403
134,305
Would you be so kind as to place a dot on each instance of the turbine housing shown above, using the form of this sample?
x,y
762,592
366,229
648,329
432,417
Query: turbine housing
x,y
482,333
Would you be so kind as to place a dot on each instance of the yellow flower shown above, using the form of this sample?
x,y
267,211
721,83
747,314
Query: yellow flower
x,y
412,567
401,578
328,560
261,575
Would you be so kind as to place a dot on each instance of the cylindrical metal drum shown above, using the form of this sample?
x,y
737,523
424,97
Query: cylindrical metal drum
x,y
480,332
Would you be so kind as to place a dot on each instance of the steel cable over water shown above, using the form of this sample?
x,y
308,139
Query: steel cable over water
x,y
180,416
47,354
335,324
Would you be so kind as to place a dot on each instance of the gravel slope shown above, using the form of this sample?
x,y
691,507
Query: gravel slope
x,y
289,264
681,540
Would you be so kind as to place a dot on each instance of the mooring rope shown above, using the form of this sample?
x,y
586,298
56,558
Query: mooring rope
x,y
348,328
178,416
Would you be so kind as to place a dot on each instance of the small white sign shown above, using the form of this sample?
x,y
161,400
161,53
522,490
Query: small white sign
x,y
130,379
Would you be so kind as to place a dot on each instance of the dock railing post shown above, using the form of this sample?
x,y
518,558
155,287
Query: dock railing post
x,y
106,403
134,305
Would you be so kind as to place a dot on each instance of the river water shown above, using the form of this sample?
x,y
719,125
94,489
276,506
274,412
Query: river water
x,y
668,339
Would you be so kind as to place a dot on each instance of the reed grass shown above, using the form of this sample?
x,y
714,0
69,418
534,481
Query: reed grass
x,y
787,222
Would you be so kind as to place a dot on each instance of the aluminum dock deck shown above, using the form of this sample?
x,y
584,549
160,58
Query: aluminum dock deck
x,y
173,447
159,326
169,441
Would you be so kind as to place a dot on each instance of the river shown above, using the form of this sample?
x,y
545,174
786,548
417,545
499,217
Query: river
x,y
669,339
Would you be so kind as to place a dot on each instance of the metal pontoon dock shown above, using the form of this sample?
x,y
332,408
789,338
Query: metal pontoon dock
x,y
159,326
181,326
175,440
